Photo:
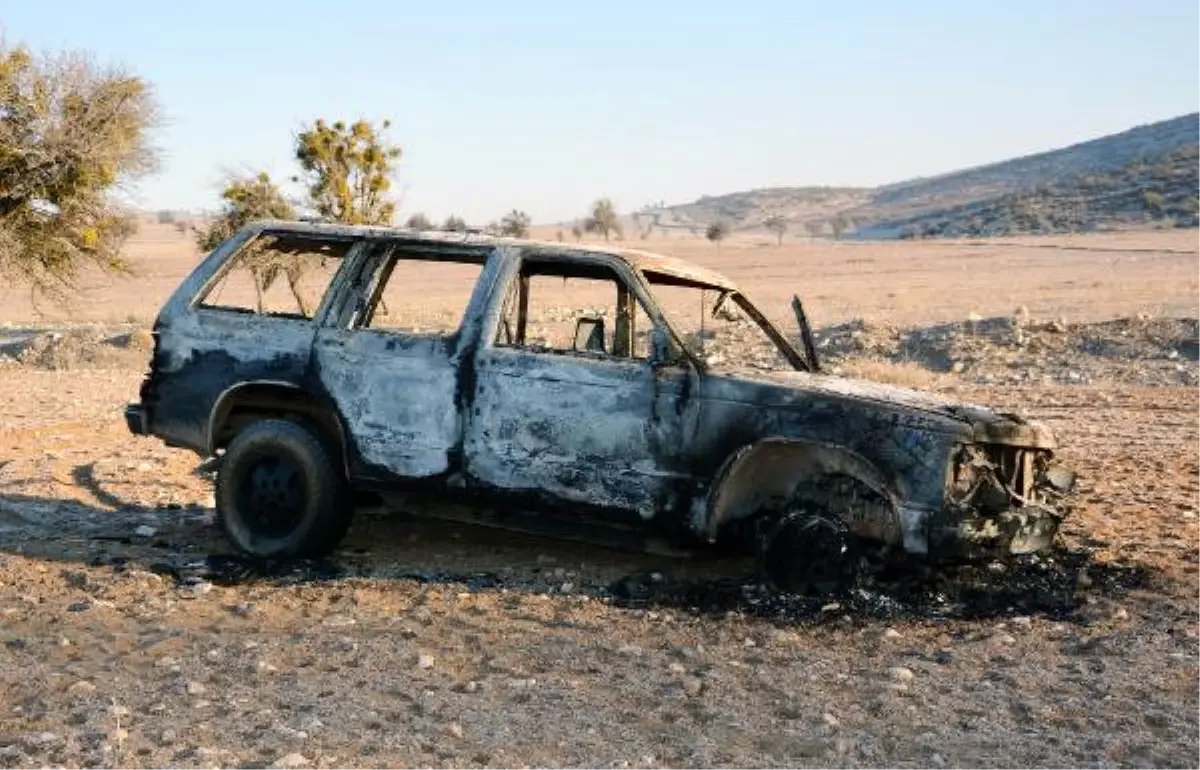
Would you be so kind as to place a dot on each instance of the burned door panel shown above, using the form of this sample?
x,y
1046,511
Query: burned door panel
x,y
579,429
396,385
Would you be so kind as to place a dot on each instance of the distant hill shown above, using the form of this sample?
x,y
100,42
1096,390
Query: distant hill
x,y
1144,175
1159,189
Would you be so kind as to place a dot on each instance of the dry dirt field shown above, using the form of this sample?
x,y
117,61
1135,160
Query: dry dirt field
x,y
130,637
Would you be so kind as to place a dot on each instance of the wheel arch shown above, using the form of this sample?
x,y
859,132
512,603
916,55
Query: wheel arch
x,y
768,473
275,398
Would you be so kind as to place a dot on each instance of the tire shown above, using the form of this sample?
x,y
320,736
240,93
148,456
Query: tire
x,y
279,492
808,553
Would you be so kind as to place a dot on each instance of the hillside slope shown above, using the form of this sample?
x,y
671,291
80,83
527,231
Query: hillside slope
x,y
1089,185
1160,190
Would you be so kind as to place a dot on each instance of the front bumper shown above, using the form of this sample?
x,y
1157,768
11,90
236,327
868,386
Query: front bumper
x,y
1004,503
136,420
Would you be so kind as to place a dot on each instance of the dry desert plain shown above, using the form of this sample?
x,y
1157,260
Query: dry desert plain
x,y
130,637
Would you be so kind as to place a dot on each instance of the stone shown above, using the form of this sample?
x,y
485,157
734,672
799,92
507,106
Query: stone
x,y
167,737
145,531
676,667
454,730
830,719
900,674
692,685
196,688
892,634
471,687
424,660
1121,614
290,760
82,688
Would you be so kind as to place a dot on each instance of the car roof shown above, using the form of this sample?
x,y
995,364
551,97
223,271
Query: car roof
x,y
681,270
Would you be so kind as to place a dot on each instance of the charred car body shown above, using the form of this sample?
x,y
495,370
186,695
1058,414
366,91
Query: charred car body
x,y
610,422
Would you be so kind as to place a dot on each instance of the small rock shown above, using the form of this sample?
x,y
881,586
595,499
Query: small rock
x,y
144,467
676,667
893,634
831,607
566,587
290,760
118,711
79,607
37,741
196,688
424,660
64,641
145,531
1121,614
937,760
310,723
1083,579
900,674
454,730
196,589
82,688
630,649
1022,621
1005,639
167,737
471,687
830,719
264,667
340,621
692,685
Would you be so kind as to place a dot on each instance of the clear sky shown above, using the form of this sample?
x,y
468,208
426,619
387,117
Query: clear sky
x,y
544,106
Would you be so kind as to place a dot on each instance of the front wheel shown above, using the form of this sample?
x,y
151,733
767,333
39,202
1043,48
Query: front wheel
x,y
279,493
808,552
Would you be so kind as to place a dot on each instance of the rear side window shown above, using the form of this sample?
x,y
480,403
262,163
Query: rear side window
x,y
284,276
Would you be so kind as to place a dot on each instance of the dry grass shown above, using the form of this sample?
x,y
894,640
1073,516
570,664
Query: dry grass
x,y
907,374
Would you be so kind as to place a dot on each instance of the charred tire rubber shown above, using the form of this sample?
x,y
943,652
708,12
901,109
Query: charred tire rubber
x,y
279,492
808,553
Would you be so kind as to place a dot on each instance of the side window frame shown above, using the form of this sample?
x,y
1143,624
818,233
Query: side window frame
x,y
625,281
196,303
377,265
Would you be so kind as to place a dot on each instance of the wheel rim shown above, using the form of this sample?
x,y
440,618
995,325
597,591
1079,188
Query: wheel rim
x,y
271,495
809,554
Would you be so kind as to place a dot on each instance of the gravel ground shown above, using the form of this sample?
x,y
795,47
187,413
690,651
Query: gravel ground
x,y
130,636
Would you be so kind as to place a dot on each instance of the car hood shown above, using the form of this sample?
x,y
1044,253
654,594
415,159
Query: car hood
x,y
986,424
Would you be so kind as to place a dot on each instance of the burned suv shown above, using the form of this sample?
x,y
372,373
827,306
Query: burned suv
x,y
565,390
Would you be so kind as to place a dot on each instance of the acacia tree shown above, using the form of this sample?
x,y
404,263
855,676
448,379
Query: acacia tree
x,y
778,225
418,221
515,224
454,224
604,219
576,232
71,132
245,200
716,232
348,171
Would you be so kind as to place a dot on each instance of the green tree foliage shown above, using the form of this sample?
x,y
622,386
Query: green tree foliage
x,y
454,224
776,224
71,132
716,232
418,221
604,220
348,171
244,200
515,224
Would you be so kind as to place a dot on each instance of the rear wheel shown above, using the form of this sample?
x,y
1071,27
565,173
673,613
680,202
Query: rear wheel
x,y
808,552
279,492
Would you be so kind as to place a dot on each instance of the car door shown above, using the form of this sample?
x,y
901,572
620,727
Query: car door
x,y
390,363
576,421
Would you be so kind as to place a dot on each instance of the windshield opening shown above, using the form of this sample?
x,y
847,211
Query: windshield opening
x,y
720,327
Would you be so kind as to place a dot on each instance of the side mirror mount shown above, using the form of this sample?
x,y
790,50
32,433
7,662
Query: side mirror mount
x,y
589,335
